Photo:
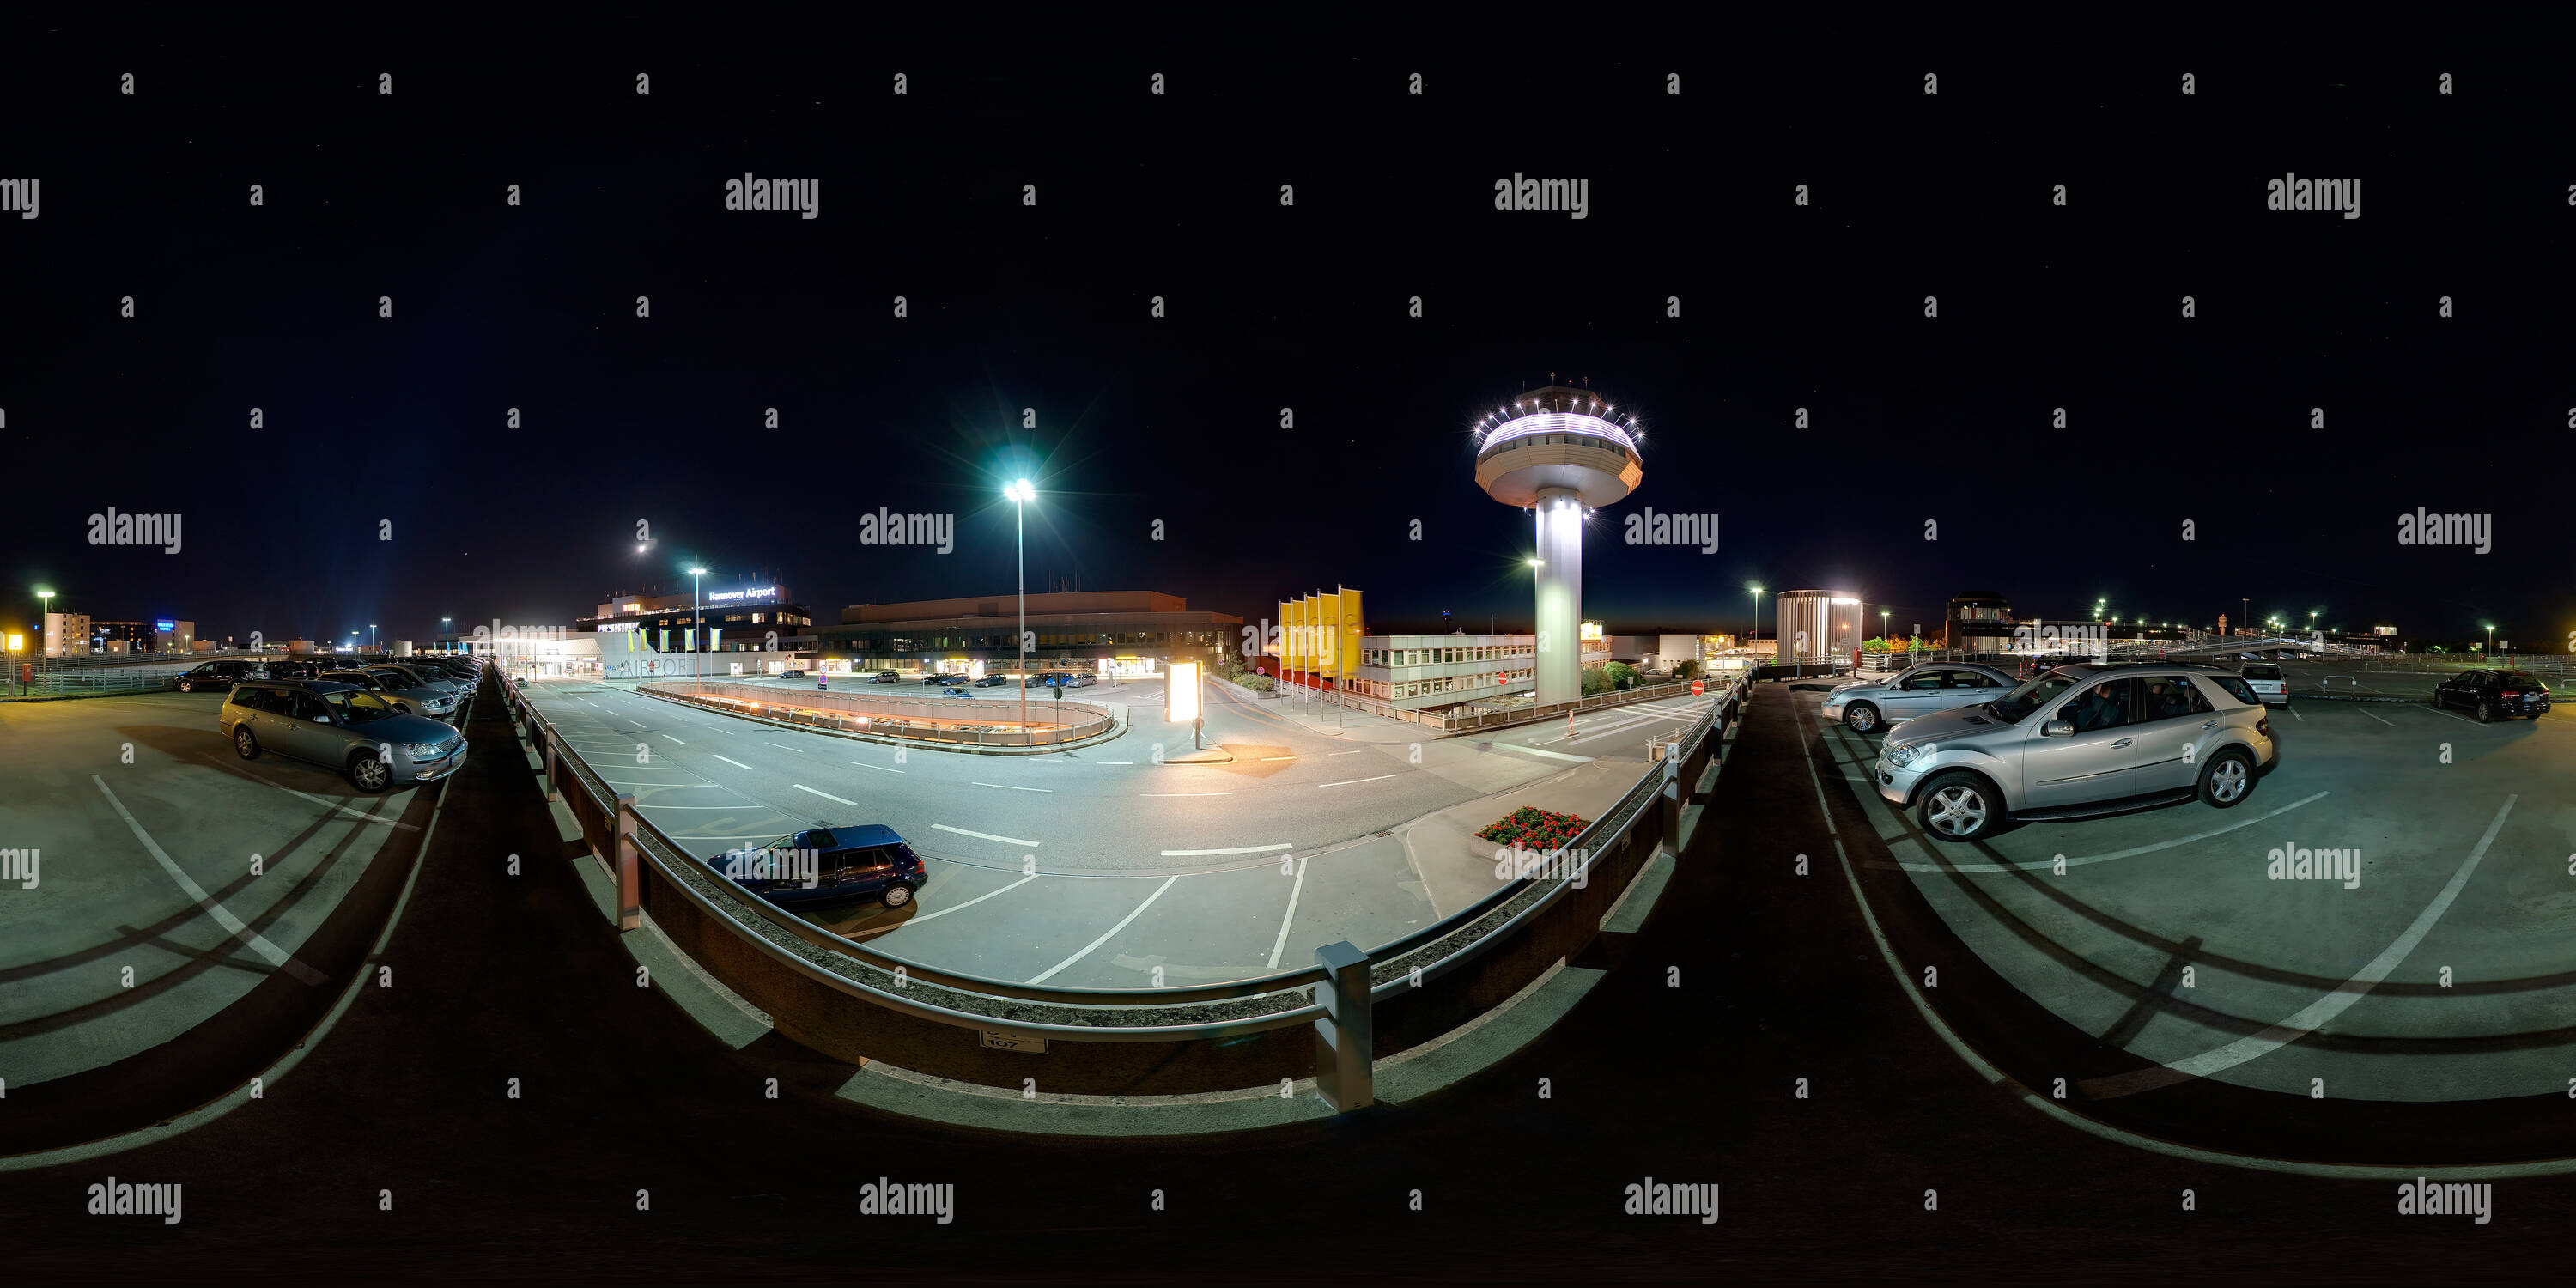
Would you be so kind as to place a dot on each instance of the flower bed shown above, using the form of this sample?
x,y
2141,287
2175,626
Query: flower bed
x,y
1535,829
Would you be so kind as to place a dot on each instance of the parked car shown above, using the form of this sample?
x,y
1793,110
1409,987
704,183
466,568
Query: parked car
x,y
1868,705
219,675
408,700
340,727
992,681
2494,695
2268,683
424,676
2080,741
828,865
885,677
929,681
792,673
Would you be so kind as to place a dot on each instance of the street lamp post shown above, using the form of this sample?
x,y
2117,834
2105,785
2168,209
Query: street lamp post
x,y
45,609
2491,641
1757,615
447,636
697,624
1021,493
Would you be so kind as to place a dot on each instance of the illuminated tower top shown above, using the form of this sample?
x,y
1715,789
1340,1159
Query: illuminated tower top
x,y
1558,438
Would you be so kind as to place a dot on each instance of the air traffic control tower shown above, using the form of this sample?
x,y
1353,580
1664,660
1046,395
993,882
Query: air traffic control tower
x,y
1559,453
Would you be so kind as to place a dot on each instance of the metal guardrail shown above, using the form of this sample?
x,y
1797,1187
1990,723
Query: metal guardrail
x,y
1449,721
1340,978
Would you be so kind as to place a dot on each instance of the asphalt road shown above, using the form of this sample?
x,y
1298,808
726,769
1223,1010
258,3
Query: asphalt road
x,y
396,1150
1106,867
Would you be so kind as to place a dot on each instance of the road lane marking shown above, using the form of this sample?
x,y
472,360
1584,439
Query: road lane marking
x,y
1049,973
1348,781
1550,755
223,916
1006,840
1117,762
638,724
2390,724
825,795
326,802
1343,753
879,768
1240,849
731,761
1185,793
1278,757
1281,943
668,737
960,907
1008,788
2321,1012
2035,865
781,746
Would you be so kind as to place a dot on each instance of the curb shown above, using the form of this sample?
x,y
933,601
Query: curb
x,y
1117,728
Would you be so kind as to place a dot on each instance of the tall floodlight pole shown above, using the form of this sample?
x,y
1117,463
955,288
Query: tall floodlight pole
x,y
44,655
1757,615
449,636
1558,452
697,624
1021,493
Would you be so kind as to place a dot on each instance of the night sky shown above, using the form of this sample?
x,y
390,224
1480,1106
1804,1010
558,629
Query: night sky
x,y
1944,420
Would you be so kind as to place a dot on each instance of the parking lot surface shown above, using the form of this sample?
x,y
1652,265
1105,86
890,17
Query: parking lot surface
x,y
2435,967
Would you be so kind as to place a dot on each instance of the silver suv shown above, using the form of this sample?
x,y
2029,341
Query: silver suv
x,y
2078,741
342,727
1870,705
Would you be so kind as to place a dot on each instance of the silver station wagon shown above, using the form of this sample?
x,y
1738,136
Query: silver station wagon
x,y
1870,705
340,727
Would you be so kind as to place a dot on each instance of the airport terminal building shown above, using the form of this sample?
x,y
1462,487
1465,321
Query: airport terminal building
x,y
1102,633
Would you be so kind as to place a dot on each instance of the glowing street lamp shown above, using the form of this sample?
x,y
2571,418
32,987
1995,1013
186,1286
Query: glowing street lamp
x,y
442,629
697,623
45,598
1021,492
1757,614
2491,639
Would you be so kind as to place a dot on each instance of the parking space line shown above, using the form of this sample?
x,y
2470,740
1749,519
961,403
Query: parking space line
x,y
668,737
223,916
1008,788
1240,849
1344,753
1348,781
1049,973
782,746
731,761
1006,840
637,723
2319,1013
960,907
879,768
1281,943
1185,793
1536,751
825,795
2390,723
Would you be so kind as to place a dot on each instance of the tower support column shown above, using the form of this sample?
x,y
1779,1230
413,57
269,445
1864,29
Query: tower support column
x,y
1560,595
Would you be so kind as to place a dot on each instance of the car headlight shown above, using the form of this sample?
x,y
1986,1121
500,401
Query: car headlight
x,y
1903,754
423,749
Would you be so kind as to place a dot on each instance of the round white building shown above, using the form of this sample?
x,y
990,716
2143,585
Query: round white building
x,y
1558,452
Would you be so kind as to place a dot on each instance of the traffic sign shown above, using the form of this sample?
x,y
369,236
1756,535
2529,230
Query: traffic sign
x,y
1698,687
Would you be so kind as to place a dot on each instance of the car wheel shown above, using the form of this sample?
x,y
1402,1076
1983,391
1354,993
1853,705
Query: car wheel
x,y
246,743
1958,807
896,895
2486,712
184,687
2227,779
1862,717
367,772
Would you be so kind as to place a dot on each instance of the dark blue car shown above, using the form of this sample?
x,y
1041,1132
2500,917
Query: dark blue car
x,y
828,865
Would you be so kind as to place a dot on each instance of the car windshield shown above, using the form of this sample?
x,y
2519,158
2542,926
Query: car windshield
x,y
395,678
358,707
2262,671
2034,693
2523,680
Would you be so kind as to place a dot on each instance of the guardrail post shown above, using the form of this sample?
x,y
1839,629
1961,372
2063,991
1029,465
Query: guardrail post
x,y
630,879
553,793
1345,1032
